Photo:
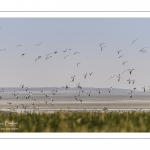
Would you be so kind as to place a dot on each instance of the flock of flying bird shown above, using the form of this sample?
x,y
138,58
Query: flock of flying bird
x,y
81,90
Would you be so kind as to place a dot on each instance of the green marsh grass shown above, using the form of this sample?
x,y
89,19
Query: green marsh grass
x,y
78,122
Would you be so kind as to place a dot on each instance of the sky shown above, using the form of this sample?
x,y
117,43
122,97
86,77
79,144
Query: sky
x,y
82,35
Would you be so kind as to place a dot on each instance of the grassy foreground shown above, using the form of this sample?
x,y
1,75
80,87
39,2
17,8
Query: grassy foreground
x,y
77,122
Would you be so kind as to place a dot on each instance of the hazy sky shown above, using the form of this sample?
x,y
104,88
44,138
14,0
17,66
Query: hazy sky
x,y
82,35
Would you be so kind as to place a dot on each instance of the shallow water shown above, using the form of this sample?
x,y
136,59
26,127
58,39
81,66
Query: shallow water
x,y
65,99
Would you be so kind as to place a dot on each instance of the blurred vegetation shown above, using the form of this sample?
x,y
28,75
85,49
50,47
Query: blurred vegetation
x,y
78,121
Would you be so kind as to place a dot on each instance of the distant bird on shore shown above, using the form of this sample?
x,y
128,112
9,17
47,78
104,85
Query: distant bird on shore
x,y
73,78
45,102
55,52
129,80
105,109
118,76
51,98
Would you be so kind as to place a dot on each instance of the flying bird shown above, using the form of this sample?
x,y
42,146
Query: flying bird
x,y
99,91
23,54
3,49
121,55
65,56
112,77
143,51
130,70
134,41
78,64
80,100
27,88
78,85
134,88
85,75
119,51
67,50
67,86
47,57
102,47
73,78
89,93
125,62
36,59
19,45
76,53
101,44
90,73
38,44
133,81
41,90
